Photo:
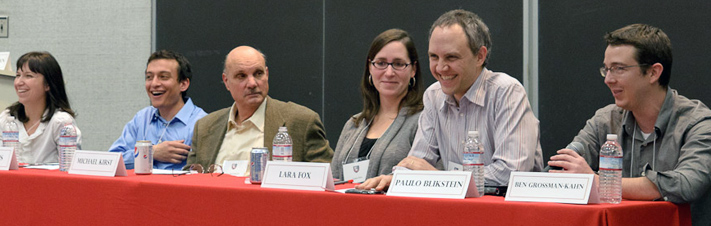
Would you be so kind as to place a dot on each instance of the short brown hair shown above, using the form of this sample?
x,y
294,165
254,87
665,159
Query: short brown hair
x,y
185,71
652,45
477,32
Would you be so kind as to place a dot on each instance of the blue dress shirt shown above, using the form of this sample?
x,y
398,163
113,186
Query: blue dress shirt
x,y
147,124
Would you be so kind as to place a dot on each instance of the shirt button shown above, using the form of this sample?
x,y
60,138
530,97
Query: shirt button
x,y
461,114
665,198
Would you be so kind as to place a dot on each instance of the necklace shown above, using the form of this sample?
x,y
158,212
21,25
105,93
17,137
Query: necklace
x,y
32,127
386,117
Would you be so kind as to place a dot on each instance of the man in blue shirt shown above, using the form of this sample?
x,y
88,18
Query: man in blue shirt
x,y
168,123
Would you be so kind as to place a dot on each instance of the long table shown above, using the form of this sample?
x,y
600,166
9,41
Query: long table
x,y
50,197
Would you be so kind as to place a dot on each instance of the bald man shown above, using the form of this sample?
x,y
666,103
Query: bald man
x,y
254,118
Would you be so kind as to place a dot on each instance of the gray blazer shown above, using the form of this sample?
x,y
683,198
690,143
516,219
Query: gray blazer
x,y
388,151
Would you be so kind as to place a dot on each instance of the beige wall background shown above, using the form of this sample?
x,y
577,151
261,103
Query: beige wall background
x,y
102,47
7,92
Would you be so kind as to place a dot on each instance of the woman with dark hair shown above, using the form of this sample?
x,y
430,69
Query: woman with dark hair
x,y
42,108
377,138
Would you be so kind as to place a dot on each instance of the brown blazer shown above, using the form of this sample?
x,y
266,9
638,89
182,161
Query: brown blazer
x,y
304,125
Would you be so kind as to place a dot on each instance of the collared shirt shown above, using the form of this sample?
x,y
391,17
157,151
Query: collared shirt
x,y
676,157
147,124
241,138
41,146
497,107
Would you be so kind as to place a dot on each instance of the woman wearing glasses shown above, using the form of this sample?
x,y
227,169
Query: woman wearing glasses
x,y
42,108
376,139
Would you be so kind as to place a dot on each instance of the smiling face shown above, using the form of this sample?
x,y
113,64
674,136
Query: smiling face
x,y
246,76
163,87
30,86
389,82
452,62
630,86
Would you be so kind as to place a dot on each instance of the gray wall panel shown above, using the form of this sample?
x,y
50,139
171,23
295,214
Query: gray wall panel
x,y
572,49
299,45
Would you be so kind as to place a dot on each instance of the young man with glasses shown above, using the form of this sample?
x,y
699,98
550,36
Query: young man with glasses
x,y
469,97
665,137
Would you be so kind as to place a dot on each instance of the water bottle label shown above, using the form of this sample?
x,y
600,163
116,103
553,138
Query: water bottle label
x,y
67,140
11,136
610,162
281,150
472,158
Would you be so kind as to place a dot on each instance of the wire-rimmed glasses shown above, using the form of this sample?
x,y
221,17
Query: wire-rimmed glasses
x,y
197,168
617,70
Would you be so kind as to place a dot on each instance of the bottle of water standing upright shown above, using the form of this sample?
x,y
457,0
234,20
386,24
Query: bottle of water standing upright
x,y
471,161
281,146
67,146
610,171
11,136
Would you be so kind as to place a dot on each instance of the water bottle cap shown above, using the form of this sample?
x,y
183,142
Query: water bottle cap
x,y
473,133
612,137
282,129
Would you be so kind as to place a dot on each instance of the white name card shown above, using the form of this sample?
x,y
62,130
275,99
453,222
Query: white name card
x,y
453,166
298,175
235,167
97,163
5,62
433,184
357,171
550,187
8,161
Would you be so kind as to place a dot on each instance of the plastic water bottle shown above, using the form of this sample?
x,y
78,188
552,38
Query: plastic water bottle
x,y
610,171
281,146
471,161
11,136
67,146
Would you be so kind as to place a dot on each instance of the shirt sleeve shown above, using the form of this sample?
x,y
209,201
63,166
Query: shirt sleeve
x,y
316,144
606,120
340,154
425,144
691,178
195,147
516,136
58,125
78,135
126,142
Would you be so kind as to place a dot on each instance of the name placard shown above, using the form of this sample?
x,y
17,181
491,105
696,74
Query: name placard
x,y
551,187
433,184
8,161
5,67
97,163
235,167
298,175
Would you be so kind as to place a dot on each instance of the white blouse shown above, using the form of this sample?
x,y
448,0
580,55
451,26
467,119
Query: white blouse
x,y
41,146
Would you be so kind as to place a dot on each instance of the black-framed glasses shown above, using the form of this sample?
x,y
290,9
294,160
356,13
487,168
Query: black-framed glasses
x,y
382,65
616,70
197,168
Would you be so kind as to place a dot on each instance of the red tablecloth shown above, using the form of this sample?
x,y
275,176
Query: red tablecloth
x,y
41,197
